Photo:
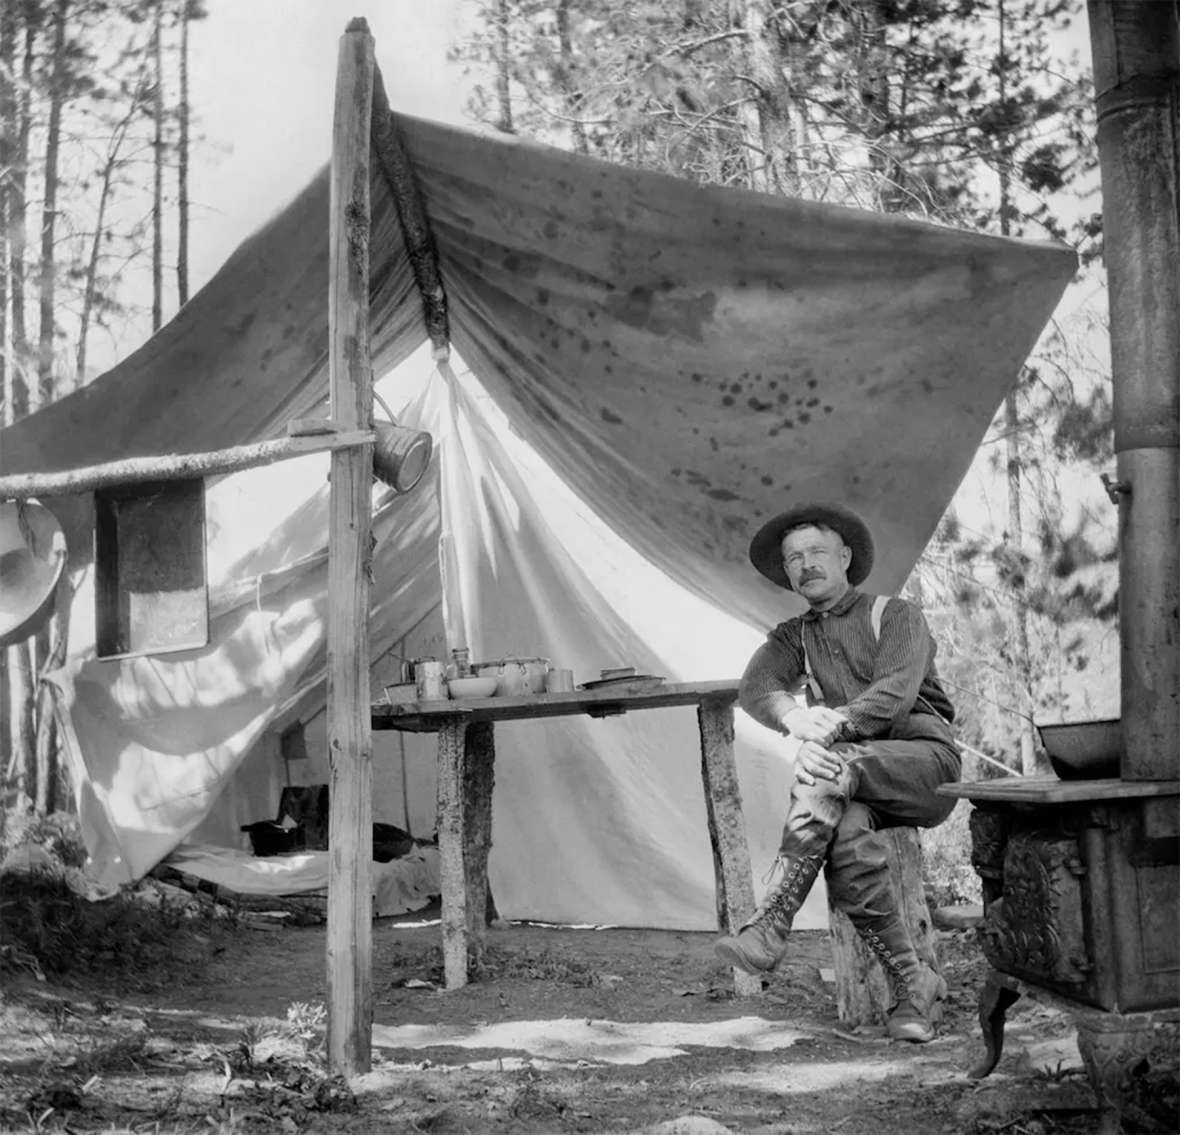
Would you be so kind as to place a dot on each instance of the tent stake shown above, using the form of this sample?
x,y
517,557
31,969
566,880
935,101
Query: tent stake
x,y
350,739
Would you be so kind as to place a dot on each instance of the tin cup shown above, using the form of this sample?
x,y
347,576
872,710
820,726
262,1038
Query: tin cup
x,y
559,682
430,680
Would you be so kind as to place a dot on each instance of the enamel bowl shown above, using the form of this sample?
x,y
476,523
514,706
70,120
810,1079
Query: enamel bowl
x,y
472,687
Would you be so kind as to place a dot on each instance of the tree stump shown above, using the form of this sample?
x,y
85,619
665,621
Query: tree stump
x,y
862,992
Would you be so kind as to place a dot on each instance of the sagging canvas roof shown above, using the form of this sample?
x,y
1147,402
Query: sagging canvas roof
x,y
687,360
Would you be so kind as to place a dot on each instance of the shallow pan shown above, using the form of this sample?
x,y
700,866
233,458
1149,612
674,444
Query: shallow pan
x,y
1084,750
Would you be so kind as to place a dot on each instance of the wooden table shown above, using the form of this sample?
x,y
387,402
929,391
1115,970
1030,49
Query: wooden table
x,y
466,760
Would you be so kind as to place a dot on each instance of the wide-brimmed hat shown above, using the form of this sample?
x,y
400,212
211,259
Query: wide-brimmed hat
x,y
766,549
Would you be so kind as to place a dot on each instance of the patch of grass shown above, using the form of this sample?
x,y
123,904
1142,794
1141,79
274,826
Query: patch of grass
x,y
538,965
44,922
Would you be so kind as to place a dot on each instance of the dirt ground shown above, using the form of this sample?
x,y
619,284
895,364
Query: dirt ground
x,y
608,1030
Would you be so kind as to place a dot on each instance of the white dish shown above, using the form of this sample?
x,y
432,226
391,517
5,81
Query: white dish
x,y
482,687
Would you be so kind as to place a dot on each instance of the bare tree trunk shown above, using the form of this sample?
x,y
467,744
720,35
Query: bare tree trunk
x,y
876,108
18,342
57,97
573,97
158,168
90,291
759,62
792,161
1015,465
1021,663
503,96
48,765
7,117
20,716
7,122
182,165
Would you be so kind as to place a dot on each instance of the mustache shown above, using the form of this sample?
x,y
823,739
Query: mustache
x,y
808,576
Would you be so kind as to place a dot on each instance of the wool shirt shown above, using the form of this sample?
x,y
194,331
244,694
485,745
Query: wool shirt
x,y
882,685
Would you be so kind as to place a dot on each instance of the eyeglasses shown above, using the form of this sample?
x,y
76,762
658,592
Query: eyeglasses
x,y
796,559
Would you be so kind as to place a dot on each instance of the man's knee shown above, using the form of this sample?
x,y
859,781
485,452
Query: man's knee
x,y
823,790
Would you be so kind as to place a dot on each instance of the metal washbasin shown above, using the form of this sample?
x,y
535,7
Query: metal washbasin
x,y
1084,750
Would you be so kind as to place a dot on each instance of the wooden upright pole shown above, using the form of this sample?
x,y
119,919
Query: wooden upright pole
x,y
350,740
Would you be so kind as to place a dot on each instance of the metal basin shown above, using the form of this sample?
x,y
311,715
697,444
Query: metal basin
x,y
1084,750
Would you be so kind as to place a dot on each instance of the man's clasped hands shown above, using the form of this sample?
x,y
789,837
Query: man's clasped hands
x,y
817,726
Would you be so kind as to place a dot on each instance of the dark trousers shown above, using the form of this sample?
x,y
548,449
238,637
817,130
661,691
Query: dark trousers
x,y
885,784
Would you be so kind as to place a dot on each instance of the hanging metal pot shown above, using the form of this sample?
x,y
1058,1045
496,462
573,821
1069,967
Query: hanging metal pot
x,y
400,455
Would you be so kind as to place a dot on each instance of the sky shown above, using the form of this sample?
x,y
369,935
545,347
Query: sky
x,y
262,83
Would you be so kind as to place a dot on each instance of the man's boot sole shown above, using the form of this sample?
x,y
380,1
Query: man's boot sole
x,y
732,954
918,1036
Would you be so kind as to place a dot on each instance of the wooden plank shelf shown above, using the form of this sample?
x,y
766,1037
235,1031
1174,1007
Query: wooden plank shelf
x,y
429,717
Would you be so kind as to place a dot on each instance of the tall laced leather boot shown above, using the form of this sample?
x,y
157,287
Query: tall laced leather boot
x,y
759,945
916,988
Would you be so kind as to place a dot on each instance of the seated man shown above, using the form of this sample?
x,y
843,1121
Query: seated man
x,y
875,745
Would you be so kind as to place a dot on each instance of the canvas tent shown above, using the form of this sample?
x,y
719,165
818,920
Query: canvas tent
x,y
685,360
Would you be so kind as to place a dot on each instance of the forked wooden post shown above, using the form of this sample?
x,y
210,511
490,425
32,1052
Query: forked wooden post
x,y
350,739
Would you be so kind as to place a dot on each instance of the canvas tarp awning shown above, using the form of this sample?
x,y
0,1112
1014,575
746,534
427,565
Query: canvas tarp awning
x,y
688,360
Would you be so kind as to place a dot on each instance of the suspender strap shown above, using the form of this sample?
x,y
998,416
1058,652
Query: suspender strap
x,y
815,696
876,613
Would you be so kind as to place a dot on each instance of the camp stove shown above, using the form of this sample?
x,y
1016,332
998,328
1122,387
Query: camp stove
x,y
1081,878
1080,888
1080,882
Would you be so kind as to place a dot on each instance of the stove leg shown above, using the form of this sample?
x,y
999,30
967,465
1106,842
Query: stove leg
x,y
997,998
1118,1050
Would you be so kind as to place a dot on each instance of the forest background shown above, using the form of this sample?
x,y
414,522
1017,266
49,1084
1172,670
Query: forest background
x,y
972,113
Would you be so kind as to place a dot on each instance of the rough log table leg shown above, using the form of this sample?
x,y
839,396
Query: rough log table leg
x,y
727,827
452,850
478,781
997,997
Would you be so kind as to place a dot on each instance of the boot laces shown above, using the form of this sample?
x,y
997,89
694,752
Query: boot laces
x,y
776,907
779,864
784,901
899,986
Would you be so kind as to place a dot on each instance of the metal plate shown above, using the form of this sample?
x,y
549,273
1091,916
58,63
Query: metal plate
x,y
637,681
